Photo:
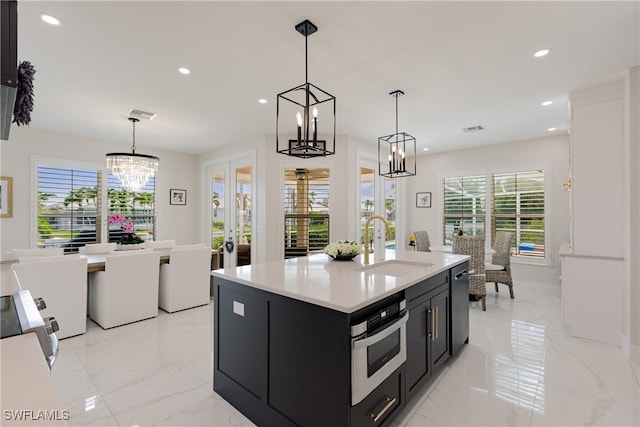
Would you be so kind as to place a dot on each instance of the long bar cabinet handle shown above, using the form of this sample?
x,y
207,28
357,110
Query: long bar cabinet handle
x,y
384,410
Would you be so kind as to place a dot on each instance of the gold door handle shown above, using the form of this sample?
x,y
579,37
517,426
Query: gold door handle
x,y
430,333
384,410
436,323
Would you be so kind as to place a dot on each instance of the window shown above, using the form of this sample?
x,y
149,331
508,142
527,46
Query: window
x,y
306,209
70,208
516,204
463,206
518,207
140,207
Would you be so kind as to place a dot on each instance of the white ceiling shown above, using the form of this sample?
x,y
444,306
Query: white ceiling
x,y
460,64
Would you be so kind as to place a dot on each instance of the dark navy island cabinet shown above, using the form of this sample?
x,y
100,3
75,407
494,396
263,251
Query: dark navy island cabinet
x,y
285,362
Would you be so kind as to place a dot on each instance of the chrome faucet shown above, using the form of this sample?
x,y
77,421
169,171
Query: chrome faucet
x,y
366,234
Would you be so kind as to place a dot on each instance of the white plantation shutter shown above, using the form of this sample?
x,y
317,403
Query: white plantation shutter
x,y
463,206
516,205
68,206
518,202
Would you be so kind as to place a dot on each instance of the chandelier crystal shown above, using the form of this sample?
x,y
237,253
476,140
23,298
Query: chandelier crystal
x,y
132,169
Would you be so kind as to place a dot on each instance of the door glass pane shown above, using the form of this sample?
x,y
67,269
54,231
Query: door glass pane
x,y
217,209
390,210
367,197
243,215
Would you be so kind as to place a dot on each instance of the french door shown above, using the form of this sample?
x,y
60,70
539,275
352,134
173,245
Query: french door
x,y
231,220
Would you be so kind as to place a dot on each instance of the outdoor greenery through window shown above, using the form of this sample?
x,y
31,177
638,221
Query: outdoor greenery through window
x,y
71,213
139,207
516,205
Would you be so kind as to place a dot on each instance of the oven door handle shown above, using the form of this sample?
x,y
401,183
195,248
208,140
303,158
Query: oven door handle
x,y
366,342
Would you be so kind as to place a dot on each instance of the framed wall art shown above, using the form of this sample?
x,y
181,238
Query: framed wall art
x,y
6,197
177,197
423,200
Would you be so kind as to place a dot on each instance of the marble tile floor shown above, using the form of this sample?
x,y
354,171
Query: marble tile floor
x,y
521,368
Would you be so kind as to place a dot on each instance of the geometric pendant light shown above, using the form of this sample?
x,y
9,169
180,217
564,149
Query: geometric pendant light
x,y
132,169
306,113
397,152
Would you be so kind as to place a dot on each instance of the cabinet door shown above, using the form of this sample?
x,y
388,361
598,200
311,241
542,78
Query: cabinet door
x,y
417,364
241,346
309,363
439,339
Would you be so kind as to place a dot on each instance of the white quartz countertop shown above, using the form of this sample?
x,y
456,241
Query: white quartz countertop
x,y
28,397
346,286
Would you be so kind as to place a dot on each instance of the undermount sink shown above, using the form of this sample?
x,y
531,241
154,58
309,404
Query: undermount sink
x,y
396,268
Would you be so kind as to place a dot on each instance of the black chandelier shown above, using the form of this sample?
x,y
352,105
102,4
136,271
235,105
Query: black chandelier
x,y
311,109
397,152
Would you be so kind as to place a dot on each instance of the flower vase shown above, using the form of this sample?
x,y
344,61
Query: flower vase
x,y
131,247
344,257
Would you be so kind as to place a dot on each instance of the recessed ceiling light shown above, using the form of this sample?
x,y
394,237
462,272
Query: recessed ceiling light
x,y
551,129
425,149
541,53
50,19
184,70
545,103
262,101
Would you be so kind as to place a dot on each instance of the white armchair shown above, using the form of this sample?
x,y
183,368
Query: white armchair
x,y
127,290
97,248
185,281
62,282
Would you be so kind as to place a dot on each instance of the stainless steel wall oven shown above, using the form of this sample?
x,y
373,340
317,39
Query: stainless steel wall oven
x,y
378,348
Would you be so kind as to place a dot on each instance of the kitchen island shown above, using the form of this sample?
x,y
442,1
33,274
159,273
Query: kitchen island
x,y
284,346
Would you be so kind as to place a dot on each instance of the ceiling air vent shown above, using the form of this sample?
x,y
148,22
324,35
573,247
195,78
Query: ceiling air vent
x,y
141,115
473,129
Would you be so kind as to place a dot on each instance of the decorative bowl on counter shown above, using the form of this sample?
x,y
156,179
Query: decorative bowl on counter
x,y
343,250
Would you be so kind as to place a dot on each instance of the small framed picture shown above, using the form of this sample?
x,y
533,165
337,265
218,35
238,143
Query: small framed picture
x,y
177,197
6,197
423,200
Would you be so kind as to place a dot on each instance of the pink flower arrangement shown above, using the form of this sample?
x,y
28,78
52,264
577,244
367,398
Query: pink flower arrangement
x,y
126,225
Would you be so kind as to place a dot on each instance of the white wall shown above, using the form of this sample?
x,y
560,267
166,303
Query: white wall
x,y
177,170
553,149
632,239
